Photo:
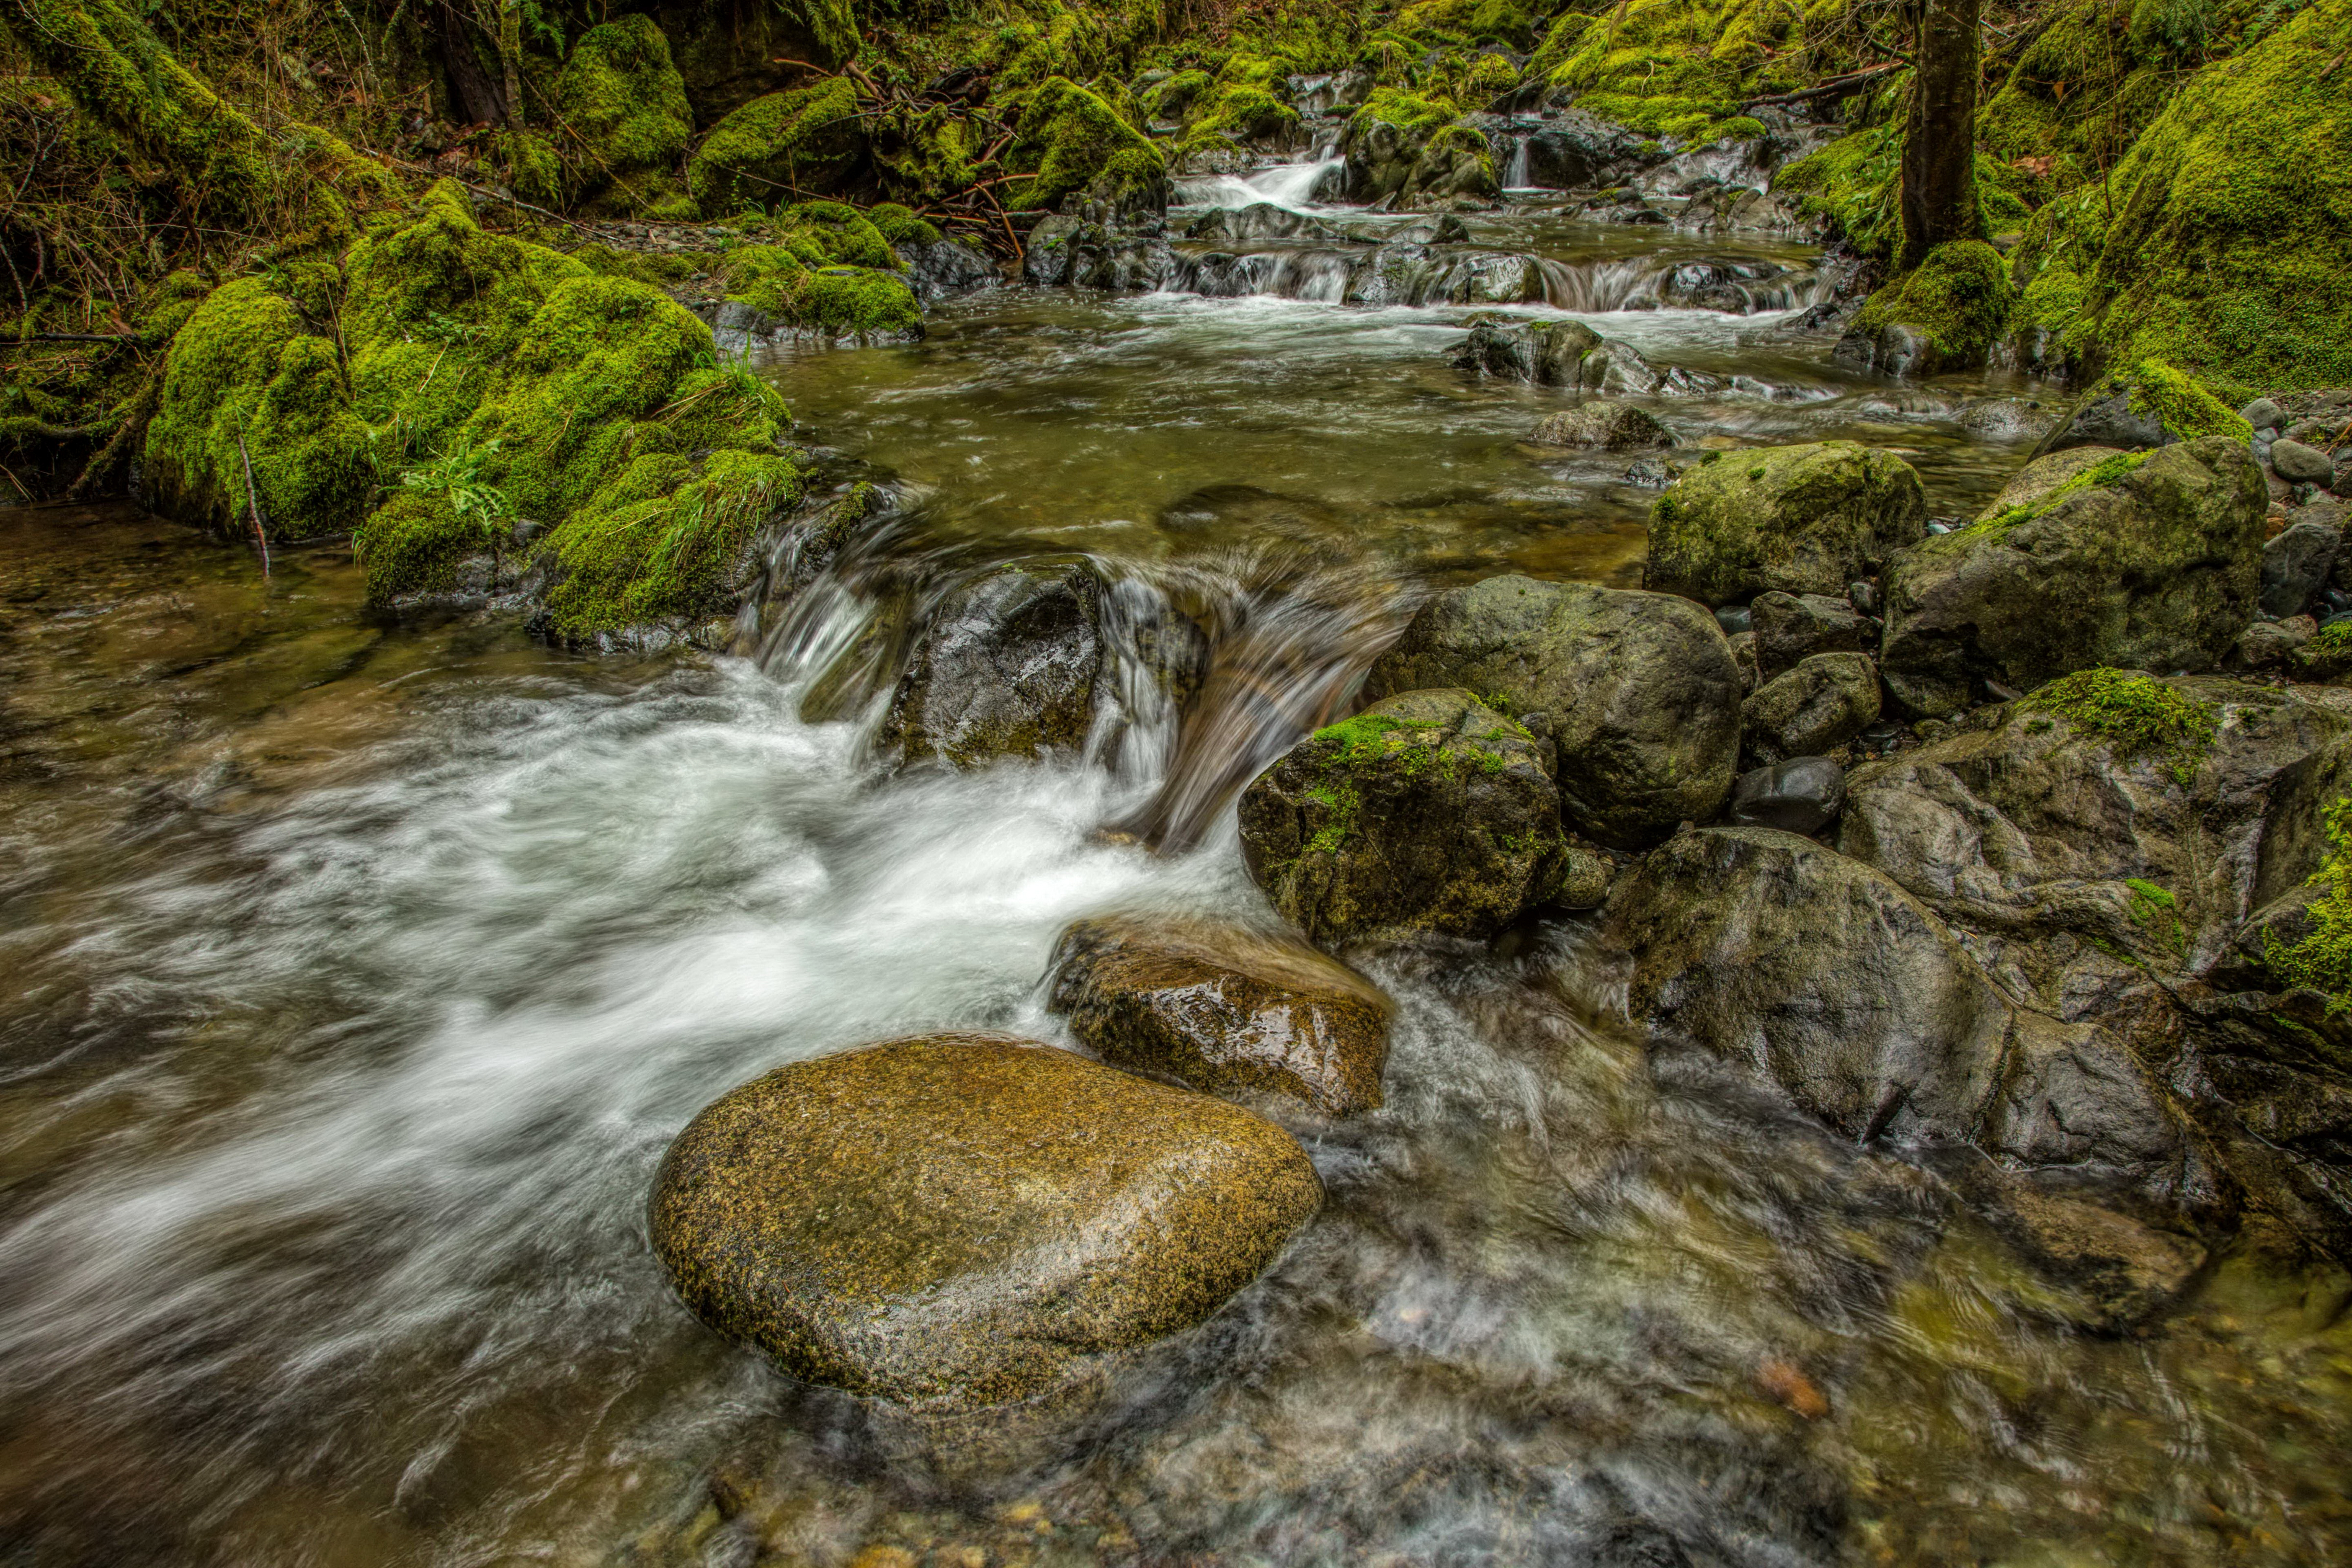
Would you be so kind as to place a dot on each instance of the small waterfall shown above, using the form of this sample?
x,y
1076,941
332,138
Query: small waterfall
x,y
1291,185
1516,175
1599,286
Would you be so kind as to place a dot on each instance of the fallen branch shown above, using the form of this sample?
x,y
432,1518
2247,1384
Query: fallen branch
x,y
253,504
1829,88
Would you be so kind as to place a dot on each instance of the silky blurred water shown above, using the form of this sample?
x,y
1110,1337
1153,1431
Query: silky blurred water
x,y
361,970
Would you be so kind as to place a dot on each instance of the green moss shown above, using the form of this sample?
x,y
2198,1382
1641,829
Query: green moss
x,y
1239,110
2321,959
245,381
2183,404
2156,911
2334,638
1958,299
1386,106
796,143
1851,185
656,541
662,268
2100,474
1504,22
622,100
897,226
837,299
1172,98
1072,143
1674,68
533,169
2133,713
2228,212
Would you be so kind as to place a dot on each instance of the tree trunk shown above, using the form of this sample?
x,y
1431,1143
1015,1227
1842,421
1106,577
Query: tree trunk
x,y
478,100
510,57
1939,141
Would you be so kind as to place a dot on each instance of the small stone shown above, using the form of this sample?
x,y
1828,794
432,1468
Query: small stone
x,y
1863,597
2263,415
1803,794
1650,474
1822,704
1793,626
1734,619
2298,463
2295,565
1223,1009
2267,644
1743,651
1940,528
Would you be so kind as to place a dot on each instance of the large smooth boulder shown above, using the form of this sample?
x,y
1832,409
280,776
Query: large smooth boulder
x,y
953,1221
1223,1009
1428,812
2139,563
1802,520
1641,691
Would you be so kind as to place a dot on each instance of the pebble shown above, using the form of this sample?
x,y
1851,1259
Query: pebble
x,y
2293,462
1734,619
2263,414
1863,596
1940,528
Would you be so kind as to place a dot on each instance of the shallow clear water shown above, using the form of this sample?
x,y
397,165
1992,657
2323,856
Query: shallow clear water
x,y
362,970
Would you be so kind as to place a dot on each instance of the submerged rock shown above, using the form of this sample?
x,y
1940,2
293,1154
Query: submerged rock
x,y
1259,220
1641,691
1802,520
958,1220
1608,424
2123,1272
2141,563
1223,1009
1427,813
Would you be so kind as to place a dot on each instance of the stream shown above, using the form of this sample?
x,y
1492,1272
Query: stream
x,y
364,969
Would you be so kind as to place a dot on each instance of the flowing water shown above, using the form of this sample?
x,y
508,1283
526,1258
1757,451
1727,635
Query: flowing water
x,y
361,970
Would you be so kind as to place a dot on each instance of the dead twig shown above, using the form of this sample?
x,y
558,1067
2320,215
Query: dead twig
x,y
253,504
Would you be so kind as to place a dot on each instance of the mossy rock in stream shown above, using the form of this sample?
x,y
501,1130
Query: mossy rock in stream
x,y
1426,814
962,1220
1802,520
1075,146
1640,692
1945,314
2144,562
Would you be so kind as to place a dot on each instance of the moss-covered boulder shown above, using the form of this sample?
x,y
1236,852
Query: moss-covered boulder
x,y
1945,314
807,141
1073,146
2147,405
1383,140
2034,482
623,102
957,1221
1801,520
2145,561
2213,246
1640,692
518,383
1223,1009
828,270
1429,812
1455,166
249,388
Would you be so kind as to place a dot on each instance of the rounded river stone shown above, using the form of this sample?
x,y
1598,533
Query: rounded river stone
x,y
951,1220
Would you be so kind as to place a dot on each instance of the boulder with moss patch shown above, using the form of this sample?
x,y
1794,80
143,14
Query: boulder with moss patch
x,y
959,1221
2144,562
1223,1009
1801,520
1640,692
1383,140
1429,812
1456,166
1945,314
2147,405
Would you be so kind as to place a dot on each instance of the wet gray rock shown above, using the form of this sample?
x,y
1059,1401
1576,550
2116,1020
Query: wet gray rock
x,y
1223,1009
1801,520
1006,666
1620,370
1380,157
2108,420
1259,220
2301,465
1578,150
1817,706
1082,253
1609,425
945,269
1780,955
2295,567
1426,814
1443,228
2158,570
957,1221
2263,415
1455,166
1801,794
1642,691
1793,626
2267,645
1549,353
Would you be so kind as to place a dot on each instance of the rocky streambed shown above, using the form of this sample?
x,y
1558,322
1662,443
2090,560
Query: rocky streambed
x,y
1480,925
